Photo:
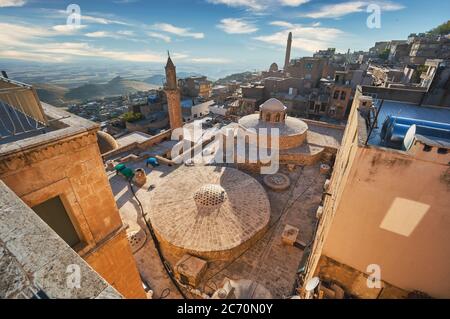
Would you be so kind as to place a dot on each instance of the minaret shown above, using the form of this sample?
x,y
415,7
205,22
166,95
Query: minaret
x,y
173,96
288,52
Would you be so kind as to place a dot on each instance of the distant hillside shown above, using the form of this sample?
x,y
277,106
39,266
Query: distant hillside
x,y
51,94
159,79
117,86
442,29
239,77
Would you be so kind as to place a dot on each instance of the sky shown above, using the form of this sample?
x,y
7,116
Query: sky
x,y
211,36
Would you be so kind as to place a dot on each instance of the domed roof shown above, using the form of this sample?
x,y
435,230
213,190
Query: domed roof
x,y
209,195
211,212
106,142
273,67
273,105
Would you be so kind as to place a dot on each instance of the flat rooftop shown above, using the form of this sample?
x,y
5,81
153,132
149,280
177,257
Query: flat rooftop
x,y
402,109
268,261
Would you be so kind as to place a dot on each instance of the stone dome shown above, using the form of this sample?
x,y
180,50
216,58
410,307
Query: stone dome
x,y
210,195
211,212
273,67
272,105
106,142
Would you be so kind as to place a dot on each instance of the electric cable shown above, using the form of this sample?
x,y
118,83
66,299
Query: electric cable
x,y
157,246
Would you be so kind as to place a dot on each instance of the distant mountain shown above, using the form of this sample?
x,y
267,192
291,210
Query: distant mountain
x,y
159,79
115,87
51,94
239,77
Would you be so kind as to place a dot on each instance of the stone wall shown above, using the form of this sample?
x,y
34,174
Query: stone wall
x,y
34,260
71,167
354,282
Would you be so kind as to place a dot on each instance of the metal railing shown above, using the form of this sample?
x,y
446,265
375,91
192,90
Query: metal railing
x,y
20,109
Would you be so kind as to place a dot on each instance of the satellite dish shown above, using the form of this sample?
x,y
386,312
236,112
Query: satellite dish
x,y
312,284
409,137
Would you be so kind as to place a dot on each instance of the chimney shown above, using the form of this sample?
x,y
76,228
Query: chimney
x,y
4,74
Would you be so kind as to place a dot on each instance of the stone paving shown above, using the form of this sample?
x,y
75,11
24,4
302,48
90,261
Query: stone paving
x,y
267,262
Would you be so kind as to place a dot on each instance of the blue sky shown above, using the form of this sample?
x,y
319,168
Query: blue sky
x,y
208,35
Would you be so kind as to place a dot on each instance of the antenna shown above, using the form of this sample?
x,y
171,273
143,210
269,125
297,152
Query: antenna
x,y
312,284
409,137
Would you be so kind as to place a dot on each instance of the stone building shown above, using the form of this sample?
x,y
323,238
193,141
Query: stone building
x,y
36,262
309,69
296,144
51,160
195,86
386,207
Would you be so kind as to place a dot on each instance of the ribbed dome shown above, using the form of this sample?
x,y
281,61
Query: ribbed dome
x,y
273,105
106,142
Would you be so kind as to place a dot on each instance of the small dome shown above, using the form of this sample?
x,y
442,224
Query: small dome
x,y
273,67
106,142
210,195
273,105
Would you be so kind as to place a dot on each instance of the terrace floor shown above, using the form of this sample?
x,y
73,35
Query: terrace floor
x,y
268,262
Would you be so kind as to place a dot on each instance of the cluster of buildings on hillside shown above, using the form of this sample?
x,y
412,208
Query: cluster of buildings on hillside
x,y
320,87
357,208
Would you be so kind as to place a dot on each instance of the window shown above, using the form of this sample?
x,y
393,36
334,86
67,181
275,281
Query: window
x,y
54,214
311,106
427,148
278,117
343,95
336,94
323,107
268,117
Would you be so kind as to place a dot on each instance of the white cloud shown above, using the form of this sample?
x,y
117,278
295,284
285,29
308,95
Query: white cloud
x,y
35,43
293,3
127,33
99,34
67,29
307,38
236,26
96,19
258,5
283,24
344,8
101,20
182,32
12,3
160,36
250,4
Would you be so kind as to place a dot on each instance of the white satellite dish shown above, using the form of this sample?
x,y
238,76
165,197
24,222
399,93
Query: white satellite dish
x,y
409,137
312,284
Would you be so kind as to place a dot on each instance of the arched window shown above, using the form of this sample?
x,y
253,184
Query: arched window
x,y
278,117
268,117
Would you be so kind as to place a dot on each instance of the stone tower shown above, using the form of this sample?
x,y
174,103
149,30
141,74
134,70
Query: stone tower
x,y
288,52
173,96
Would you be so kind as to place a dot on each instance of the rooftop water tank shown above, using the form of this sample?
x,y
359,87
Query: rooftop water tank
x,y
395,128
